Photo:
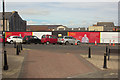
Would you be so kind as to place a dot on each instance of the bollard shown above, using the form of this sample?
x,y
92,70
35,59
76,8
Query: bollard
x,y
89,53
106,50
5,61
17,50
14,44
21,47
105,61
109,55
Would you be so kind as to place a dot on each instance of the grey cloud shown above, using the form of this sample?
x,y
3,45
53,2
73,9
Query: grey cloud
x,y
34,12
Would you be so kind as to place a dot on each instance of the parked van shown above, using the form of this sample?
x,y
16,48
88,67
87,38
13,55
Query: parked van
x,y
48,39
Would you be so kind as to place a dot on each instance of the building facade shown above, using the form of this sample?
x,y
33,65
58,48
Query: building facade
x,y
96,28
108,26
13,22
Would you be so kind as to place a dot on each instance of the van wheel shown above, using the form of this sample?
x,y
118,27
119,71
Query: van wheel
x,y
11,42
60,43
28,42
47,43
66,43
35,43
53,43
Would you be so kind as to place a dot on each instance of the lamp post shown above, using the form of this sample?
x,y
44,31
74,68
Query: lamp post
x,y
5,67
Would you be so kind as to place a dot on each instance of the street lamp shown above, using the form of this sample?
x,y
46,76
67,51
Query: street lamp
x,y
5,67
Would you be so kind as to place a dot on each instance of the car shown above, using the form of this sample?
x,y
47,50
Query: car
x,y
12,39
31,39
68,40
47,39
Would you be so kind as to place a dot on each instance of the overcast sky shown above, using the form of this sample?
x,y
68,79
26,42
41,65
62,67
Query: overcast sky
x,y
70,14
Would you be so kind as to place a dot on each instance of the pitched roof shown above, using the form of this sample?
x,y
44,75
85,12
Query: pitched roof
x,y
49,26
7,15
37,28
107,24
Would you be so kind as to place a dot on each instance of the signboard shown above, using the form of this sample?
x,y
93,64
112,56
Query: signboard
x,y
110,37
22,34
86,37
39,34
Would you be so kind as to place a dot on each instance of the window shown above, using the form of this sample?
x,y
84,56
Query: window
x,y
35,37
20,37
70,37
15,37
54,37
50,36
66,37
47,36
43,36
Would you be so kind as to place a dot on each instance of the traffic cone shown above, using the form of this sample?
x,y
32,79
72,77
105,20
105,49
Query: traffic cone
x,y
75,42
95,43
110,43
113,42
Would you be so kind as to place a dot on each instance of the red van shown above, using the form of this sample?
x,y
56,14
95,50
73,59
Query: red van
x,y
49,39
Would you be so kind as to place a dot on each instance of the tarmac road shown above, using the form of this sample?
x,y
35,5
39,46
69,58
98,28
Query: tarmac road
x,y
59,61
73,48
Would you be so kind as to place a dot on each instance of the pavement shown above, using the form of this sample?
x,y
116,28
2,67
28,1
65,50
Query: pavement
x,y
0,61
14,62
60,61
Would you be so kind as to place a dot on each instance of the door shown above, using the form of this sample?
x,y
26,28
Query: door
x,y
15,39
54,39
51,39
72,40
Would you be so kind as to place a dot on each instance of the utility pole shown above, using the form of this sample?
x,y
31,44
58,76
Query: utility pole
x,y
5,67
